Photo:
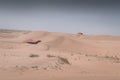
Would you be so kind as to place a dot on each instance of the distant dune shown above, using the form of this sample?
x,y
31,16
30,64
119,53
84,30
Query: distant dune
x,y
58,56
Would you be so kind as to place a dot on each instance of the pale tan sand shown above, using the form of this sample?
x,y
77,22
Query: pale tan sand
x,y
59,56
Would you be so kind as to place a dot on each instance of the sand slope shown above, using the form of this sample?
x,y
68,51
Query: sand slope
x,y
59,56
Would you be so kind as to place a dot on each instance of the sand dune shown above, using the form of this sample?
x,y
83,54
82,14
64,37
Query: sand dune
x,y
58,56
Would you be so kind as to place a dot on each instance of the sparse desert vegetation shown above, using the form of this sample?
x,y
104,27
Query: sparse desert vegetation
x,y
113,58
35,67
63,60
68,57
50,56
33,55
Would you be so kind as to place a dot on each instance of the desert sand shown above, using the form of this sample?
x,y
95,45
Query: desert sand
x,y
58,56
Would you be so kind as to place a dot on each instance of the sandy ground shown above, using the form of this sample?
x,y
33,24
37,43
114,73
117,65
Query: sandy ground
x,y
59,56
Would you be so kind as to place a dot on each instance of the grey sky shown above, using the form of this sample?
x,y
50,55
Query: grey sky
x,y
71,18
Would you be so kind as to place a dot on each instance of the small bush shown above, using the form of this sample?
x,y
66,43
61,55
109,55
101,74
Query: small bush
x,y
50,55
34,55
60,59
34,66
112,57
63,60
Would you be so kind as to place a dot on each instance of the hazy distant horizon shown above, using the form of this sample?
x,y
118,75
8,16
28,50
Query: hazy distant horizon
x,y
69,16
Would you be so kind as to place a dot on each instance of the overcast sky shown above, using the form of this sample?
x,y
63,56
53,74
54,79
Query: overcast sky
x,y
70,16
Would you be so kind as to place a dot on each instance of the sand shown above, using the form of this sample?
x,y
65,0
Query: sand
x,y
59,56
